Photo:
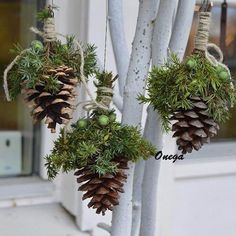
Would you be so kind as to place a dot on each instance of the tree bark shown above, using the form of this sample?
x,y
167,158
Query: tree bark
x,y
132,110
178,43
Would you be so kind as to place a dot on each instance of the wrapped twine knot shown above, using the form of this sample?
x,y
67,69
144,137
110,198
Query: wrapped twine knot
x,y
201,41
103,101
49,33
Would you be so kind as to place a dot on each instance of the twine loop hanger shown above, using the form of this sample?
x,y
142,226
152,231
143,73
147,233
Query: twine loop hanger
x,y
202,37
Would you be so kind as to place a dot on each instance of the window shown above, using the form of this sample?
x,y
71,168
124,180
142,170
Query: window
x,y
17,133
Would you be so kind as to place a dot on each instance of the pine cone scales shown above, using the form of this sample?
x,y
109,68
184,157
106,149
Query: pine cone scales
x,y
193,127
56,107
104,190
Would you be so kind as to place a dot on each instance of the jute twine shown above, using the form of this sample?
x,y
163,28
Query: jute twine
x,y
49,35
201,42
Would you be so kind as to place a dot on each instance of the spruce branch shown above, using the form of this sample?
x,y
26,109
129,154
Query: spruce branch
x,y
171,86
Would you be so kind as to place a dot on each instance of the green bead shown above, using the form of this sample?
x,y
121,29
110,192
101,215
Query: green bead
x,y
112,117
219,69
82,123
37,45
224,75
103,120
191,64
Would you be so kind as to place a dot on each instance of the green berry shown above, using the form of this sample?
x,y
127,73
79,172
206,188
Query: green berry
x,y
112,117
224,75
82,123
219,69
65,47
191,64
103,120
37,45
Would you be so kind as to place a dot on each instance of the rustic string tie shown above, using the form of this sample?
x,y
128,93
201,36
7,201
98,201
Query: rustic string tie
x,y
201,42
104,100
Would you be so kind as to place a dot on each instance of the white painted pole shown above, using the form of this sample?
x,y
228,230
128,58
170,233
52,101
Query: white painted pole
x,y
118,39
137,188
163,31
178,44
137,195
161,38
132,110
182,27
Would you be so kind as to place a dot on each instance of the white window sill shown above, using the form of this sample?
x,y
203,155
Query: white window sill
x,y
215,159
23,191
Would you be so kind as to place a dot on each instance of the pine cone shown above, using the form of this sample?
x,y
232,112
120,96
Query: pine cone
x,y
104,190
55,107
193,127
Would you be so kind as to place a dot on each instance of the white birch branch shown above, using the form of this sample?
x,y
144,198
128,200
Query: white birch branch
x,y
118,102
163,31
137,196
151,176
132,110
119,44
150,131
161,39
182,27
105,227
178,45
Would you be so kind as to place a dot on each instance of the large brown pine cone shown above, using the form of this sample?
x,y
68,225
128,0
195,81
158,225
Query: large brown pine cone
x,y
56,107
104,190
193,127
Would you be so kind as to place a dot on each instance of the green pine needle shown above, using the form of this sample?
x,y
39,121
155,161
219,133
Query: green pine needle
x,y
98,145
33,62
170,86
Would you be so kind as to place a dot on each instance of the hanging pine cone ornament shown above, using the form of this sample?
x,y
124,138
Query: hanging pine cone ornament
x,y
56,106
103,190
47,74
194,127
99,149
194,96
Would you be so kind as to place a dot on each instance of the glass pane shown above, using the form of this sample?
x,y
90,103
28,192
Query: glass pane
x,y
16,128
227,130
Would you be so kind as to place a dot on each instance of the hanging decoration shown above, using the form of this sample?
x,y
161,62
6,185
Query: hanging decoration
x,y
196,93
99,148
47,73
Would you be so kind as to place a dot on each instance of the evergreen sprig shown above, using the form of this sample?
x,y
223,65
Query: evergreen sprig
x,y
46,13
34,62
97,141
170,87
98,144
